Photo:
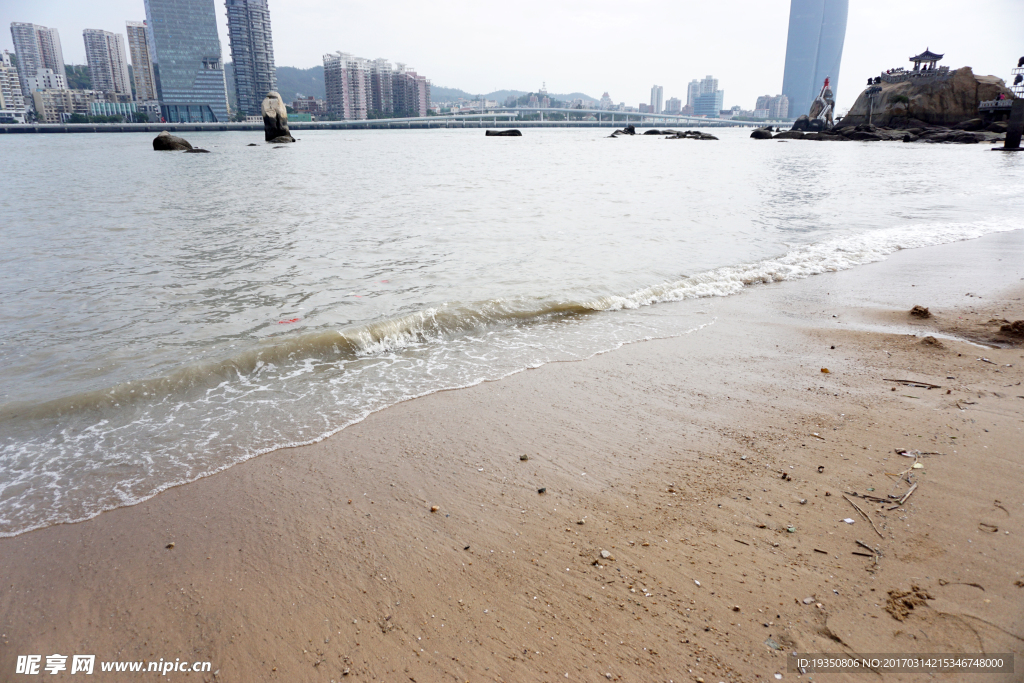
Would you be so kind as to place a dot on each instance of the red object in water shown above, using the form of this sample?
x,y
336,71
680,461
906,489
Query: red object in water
x,y
285,322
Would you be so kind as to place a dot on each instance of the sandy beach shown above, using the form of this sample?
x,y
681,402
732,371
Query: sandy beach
x,y
715,470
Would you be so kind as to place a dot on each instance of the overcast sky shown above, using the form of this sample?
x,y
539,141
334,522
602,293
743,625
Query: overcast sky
x,y
590,46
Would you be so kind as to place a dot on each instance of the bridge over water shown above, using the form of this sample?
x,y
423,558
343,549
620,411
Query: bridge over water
x,y
498,118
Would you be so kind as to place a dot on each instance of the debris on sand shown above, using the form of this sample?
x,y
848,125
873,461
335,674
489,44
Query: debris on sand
x,y
1015,328
920,312
932,342
901,603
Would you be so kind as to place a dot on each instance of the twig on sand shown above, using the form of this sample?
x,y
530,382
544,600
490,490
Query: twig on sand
x,y
864,545
907,494
816,436
865,516
739,541
913,383
986,360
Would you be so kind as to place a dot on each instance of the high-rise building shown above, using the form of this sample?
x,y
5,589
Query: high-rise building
x,y
142,61
673,105
778,107
187,60
814,50
11,97
58,104
657,99
252,52
692,91
606,101
709,99
358,88
37,47
108,63
382,100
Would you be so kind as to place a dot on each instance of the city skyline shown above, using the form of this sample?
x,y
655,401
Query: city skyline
x,y
747,55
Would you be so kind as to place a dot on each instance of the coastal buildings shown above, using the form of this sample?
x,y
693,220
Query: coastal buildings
x,y
187,60
46,79
37,47
358,88
710,99
11,98
692,92
252,52
673,105
55,105
768,107
814,50
142,61
657,99
108,62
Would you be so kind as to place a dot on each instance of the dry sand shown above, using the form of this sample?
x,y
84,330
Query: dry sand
x,y
687,459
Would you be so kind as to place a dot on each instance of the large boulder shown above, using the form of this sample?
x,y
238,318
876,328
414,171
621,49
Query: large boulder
x,y
942,99
165,142
761,134
802,123
789,135
511,133
275,119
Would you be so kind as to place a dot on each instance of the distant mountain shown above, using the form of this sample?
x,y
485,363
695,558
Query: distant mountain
x,y
292,82
438,94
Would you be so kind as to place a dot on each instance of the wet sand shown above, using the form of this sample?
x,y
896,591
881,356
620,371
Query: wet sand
x,y
711,467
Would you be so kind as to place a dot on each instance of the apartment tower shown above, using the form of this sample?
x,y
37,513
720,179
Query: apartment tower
x,y
142,61
657,99
814,50
187,60
36,47
11,98
108,62
252,53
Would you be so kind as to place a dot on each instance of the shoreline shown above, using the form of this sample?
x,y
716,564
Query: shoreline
x,y
275,575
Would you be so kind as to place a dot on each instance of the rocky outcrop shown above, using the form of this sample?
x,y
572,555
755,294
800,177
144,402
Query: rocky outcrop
x,y
761,134
866,132
275,119
165,142
690,135
941,100
513,133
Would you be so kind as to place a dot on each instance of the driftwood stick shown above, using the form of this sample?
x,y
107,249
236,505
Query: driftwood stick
x,y
865,516
915,383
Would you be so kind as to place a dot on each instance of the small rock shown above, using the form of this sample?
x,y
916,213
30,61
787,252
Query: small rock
x,y
524,457
581,522
197,150
803,501
605,555
735,608
920,312
542,489
252,144
791,529
696,582
169,545
808,601
434,508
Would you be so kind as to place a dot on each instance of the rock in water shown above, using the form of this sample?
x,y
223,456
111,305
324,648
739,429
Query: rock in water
x,y
944,100
165,142
512,133
275,119
761,134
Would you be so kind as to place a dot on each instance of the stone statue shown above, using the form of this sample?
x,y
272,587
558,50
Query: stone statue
x,y
275,119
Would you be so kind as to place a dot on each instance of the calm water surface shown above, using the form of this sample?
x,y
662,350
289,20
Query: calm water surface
x,y
163,316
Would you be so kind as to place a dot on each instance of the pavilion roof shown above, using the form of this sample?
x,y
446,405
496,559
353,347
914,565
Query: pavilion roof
x,y
926,56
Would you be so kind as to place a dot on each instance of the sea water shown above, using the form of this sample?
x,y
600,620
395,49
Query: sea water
x,y
164,315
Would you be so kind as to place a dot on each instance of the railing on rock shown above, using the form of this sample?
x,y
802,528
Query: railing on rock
x,y
903,76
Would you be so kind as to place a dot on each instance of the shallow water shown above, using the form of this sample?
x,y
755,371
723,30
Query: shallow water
x,y
167,315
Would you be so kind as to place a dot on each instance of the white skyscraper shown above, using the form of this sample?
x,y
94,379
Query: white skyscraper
x,y
657,99
108,63
692,90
